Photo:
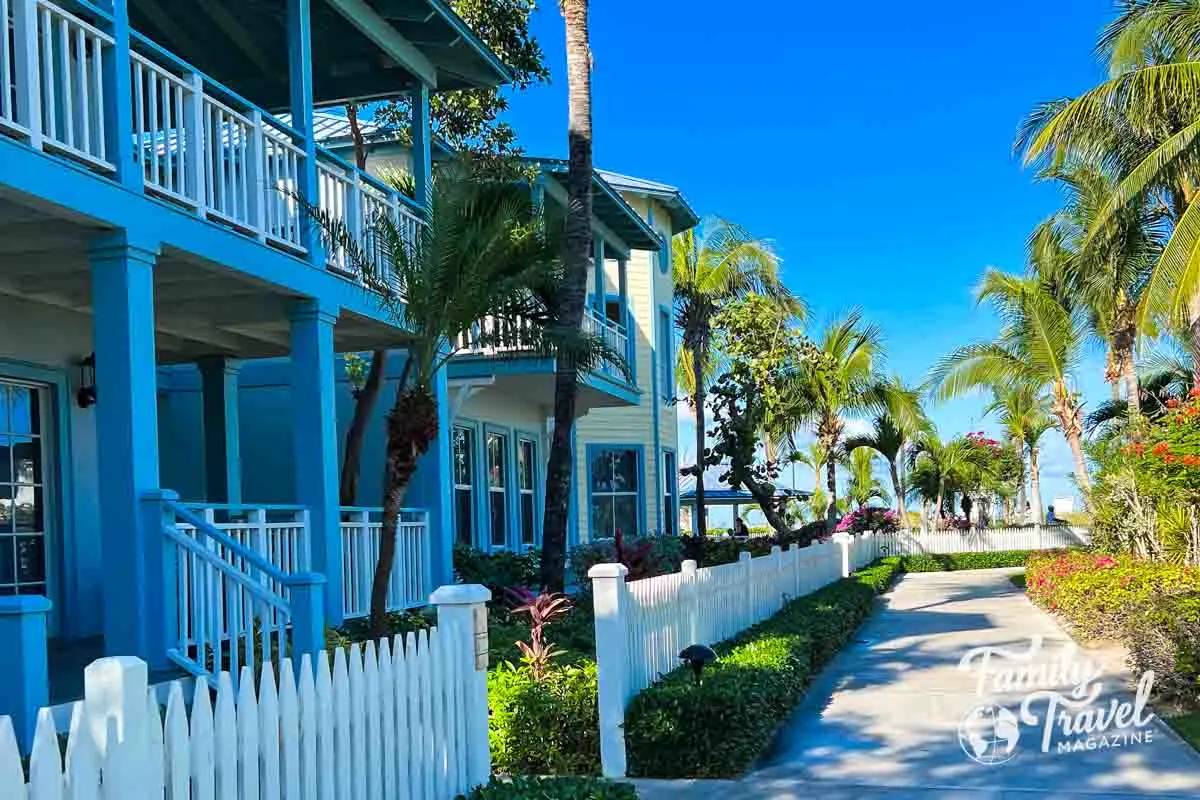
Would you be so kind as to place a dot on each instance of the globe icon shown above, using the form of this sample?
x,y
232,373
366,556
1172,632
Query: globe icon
x,y
988,734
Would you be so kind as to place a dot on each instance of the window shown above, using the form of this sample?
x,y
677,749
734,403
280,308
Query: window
x,y
22,497
464,486
615,492
612,311
497,447
666,354
670,495
526,472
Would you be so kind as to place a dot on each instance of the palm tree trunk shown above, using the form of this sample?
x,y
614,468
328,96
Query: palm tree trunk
x,y
366,399
578,253
700,524
1133,394
412,426
831,515
1081,473
1035,484
941,498
898,488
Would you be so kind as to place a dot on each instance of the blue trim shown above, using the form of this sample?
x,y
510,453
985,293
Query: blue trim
x,y
480,537
573,503
599,447
599,281
300,83
61,570
673,477
666,331
422,141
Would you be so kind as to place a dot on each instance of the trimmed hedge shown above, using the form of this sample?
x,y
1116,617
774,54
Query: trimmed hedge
x,y
553,789
718,729
952,562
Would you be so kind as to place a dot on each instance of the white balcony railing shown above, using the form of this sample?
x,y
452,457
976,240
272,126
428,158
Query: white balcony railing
x,y
199,145
411,581
495,337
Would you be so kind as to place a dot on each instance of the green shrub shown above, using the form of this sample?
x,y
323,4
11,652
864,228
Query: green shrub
x,y
1166,639
574,633
397,623
497,571
720,728
526,788
666,553
957,561
546,727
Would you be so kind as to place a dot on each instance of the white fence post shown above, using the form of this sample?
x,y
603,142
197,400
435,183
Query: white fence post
x,y
746,562
114,698
692,600
610,596
843,541
462,616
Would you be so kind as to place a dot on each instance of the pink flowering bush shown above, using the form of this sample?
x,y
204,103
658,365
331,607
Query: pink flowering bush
x,y
868,518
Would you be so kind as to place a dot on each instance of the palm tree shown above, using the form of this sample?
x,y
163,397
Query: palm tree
x,y
1143,127
722,264
1040,344
863,486
841,379
1036,427
889,439
577,253
938,466
484,251
1020,410
814,457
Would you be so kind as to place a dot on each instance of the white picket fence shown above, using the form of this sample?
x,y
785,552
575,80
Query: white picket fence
x,y
975,540
642,626
404,719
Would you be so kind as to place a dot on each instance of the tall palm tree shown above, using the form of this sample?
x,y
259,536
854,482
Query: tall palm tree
x,y
485,251
721,264
1143,127
1036,427
842,379
863,486
577,254
813,457
1041,344
938,467
1020,409
889,438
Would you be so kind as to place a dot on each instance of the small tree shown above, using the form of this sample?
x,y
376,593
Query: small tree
x,y
486,251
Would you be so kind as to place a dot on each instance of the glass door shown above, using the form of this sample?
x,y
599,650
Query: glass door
x,y
24,520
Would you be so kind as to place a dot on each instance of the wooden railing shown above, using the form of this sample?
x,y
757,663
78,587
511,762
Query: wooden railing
x,y
411,580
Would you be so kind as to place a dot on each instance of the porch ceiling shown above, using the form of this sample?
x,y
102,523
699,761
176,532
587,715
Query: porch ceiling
x,y
531,380
200,308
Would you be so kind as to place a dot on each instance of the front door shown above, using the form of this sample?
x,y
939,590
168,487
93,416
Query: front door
x,y
24,520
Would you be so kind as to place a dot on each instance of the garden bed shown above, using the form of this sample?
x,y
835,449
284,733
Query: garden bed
x,y
951,562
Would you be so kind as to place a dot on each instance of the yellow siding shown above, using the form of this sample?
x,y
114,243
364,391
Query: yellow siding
x,y
648,288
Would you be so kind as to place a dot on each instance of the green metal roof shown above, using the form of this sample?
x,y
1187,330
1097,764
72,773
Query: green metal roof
x,y
243,44
609,207
683,217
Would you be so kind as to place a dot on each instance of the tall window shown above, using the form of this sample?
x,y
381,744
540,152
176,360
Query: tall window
x,y
464,486
666,354
670,494
526,470
615,496
22,499
497,446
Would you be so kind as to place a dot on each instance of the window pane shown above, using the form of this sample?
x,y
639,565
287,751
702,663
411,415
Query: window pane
x,y
27,509
27,460
25,414
527,519
6,447
602,471
464,446
525,464
625,471
602,518
6,509
464,517
8,568
625,515
499,519
31,561
495,460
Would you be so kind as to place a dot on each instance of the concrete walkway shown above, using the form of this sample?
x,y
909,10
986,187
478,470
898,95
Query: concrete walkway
x,y
883,721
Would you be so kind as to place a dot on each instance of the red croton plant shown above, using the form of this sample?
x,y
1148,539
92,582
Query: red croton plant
x,y
542,609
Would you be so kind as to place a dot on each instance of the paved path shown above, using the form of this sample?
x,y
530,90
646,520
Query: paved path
x,y
883,720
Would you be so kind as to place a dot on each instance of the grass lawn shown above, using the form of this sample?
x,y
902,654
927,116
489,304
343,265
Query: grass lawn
x,y
1187,726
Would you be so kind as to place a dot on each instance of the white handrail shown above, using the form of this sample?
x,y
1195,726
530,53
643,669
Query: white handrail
x,y
410,584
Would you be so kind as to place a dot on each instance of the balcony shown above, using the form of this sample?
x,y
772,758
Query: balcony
x,y
498,351
198,144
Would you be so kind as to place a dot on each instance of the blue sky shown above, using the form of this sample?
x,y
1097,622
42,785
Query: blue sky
x,y
870,141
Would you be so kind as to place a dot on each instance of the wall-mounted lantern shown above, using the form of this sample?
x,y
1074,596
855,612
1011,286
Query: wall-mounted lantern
x,y
86,395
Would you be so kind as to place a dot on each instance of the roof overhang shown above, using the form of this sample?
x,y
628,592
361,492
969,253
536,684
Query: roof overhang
x,y
607,206
683,216
361,49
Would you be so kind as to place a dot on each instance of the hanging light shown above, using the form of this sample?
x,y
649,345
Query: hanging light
x,y
86,395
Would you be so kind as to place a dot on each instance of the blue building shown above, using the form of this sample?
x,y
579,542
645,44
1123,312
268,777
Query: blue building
x,y
152,226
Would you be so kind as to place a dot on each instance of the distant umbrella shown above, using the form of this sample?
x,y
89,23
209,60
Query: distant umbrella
x,y
696,656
